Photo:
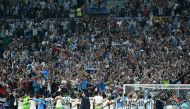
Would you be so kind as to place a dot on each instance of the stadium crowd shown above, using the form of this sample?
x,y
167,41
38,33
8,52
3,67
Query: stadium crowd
x,y
36,9
44,56
43,9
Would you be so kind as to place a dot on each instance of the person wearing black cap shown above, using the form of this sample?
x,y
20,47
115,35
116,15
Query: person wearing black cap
x,y
85,103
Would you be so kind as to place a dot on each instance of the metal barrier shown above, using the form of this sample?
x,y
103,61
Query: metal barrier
x,y
174,95
155,18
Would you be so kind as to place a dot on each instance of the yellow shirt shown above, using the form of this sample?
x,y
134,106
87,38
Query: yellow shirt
x,y
79,12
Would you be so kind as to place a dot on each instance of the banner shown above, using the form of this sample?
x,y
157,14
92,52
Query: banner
x,y
96,7
162,19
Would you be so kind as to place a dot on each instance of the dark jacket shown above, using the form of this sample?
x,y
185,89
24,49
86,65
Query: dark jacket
x,y
12,99
159,104
85,103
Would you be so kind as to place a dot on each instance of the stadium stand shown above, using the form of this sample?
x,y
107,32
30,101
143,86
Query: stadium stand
x,y
51,51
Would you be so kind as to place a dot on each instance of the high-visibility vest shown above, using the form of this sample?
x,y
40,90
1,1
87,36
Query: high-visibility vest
x,y
166,81
79,12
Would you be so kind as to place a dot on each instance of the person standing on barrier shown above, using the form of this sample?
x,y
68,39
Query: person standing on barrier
x,y
85,102
98,101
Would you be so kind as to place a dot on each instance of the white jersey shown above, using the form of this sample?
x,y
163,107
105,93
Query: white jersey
x,y
59,103
98,101
50,103
67,101
74,103
132,103
105,104
20,105
79,101
140,103
126,103
91,103
32,104
171,107
113,104
150,104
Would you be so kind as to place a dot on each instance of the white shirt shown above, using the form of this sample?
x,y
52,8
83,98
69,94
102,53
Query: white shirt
x,y
150,104
98,99
74,104
32,104
126,103
79,101
140,103
134,106
59,103
67,101
50,103
20,105
105,104
91,103
48,87
35,32
112,105
72,13
171,107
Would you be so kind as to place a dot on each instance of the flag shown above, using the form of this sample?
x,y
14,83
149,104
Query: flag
x,y
45,74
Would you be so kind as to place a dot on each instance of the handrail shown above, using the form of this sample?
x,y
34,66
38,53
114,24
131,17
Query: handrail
x,y
117,18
